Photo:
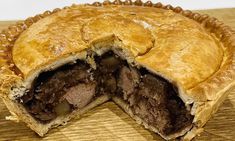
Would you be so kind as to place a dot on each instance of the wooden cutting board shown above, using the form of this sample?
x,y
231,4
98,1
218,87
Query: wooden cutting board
x,y
109,122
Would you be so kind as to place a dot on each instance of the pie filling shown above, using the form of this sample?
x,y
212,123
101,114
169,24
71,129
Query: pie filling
x,y
73,86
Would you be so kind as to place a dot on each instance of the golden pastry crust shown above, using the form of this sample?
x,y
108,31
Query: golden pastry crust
x,y
170,44
193,51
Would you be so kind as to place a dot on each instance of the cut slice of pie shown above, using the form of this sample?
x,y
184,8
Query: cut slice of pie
x,y
169,69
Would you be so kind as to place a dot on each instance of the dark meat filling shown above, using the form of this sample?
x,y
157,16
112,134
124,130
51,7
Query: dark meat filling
x,y
154,100
58,92
70,87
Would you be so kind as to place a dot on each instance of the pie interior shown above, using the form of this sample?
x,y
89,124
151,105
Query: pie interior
x,y
73,86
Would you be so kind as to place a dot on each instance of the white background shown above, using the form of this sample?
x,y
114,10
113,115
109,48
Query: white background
x,y
21,9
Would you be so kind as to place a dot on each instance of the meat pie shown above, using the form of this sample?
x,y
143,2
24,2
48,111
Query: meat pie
x,y
167,68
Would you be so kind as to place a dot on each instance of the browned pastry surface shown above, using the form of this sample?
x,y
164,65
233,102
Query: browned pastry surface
x,y
73,29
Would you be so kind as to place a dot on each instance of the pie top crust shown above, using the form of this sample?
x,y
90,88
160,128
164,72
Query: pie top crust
x,y
170,44
195,52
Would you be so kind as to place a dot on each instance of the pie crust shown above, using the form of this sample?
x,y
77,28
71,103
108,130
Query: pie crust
x,y
198,54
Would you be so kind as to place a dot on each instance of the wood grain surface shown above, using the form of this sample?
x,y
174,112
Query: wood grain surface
x,y
109,122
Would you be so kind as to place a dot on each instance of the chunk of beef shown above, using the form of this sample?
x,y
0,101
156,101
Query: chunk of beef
x,y
109,83
128,80
80,95
153,87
